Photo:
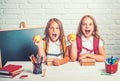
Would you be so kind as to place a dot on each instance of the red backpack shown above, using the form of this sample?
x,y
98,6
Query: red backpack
x,y
79,45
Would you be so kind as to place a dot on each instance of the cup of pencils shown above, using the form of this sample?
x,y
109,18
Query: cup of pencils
x,y
37,68
37,64
111,65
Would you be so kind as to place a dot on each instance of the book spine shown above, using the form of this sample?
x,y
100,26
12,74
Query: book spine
x,y
5,72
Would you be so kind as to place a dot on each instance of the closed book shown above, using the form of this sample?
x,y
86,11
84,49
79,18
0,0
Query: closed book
x,y
50,61
8,76
17,71
8,69
87,62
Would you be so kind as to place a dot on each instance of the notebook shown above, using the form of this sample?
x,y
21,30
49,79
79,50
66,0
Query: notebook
x,y
10,68
10,71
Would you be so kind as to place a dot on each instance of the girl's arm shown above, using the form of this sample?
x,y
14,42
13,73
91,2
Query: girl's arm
x,y
65,59
72,49
41,51
98,57
73,52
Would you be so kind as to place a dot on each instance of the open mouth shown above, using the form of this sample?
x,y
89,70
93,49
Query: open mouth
x,y
87,31
54,34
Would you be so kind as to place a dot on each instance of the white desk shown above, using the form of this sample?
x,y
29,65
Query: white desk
x,y
71,71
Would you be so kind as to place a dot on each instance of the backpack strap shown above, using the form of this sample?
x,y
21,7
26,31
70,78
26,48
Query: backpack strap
x,y
45,46
63,44
96,45
79,45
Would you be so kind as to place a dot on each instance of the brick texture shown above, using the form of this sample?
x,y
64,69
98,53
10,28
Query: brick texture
x,y
38,12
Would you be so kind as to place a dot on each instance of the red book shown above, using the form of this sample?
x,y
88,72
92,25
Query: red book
x,y
7,76
10,68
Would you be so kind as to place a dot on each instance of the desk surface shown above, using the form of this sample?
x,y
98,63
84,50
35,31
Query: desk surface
x,y
71,71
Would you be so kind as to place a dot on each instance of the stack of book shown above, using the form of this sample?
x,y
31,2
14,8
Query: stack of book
x,y
10,71
49,61
87,62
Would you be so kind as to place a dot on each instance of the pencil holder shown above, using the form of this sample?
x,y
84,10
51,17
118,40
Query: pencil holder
x,y
111,68
37,68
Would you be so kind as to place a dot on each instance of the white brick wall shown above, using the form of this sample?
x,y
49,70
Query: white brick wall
x,y
38,12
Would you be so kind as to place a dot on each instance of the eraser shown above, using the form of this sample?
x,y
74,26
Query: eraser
x,y
23,76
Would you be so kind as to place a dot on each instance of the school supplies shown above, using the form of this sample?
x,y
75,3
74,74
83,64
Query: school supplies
x,y
23,76
10,71
37,64
43,72
49,61
33,58
111,65
87,62
37,68
7,76
112,60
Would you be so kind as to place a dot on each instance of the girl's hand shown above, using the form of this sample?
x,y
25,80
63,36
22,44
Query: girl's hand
x,y
37,44
56,62
37,39
44,59
82,56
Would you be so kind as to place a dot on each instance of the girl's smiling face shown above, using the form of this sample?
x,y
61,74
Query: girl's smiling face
x,y
87,27
54,31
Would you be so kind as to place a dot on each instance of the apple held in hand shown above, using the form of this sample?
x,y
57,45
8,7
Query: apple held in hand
x,y
37,38
72,37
